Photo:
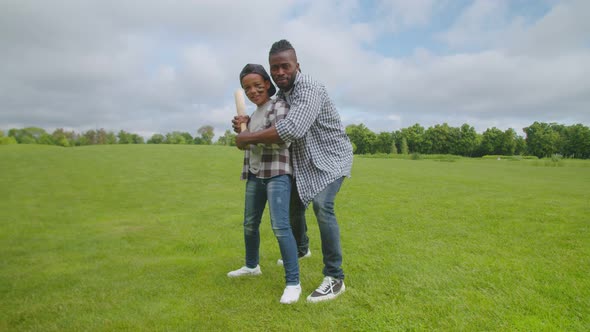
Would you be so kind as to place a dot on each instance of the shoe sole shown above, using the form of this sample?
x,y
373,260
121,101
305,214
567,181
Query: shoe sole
x,y
290,302
244,275
326,297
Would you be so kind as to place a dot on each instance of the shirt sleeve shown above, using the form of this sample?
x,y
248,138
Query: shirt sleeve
x,y
279,111
305,105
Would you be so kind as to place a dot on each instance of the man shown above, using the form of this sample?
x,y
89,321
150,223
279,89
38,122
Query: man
x,y
321,155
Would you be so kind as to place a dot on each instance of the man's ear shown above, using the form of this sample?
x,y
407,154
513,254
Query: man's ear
x,y
298,69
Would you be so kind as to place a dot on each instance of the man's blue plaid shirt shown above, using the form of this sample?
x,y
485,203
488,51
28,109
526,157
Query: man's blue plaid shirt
x,y
320,149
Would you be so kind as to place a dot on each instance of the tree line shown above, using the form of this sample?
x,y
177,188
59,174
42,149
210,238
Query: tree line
x,y
541,139
61,137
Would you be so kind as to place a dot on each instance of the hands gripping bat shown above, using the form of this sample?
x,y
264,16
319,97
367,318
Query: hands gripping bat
x,y
240,106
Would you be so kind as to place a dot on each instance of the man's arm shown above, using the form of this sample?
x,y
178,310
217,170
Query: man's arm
x,y
266,136
306,105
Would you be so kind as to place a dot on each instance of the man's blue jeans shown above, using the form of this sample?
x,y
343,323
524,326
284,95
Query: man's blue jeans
x,y
323,206
276,191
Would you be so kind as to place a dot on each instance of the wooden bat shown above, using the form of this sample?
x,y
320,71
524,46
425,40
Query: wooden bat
x,y
240,106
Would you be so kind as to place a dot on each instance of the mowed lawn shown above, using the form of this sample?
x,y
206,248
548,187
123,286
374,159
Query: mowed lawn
x,y
141,237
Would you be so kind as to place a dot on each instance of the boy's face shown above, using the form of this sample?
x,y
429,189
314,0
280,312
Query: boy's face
x,y
283,69
256,88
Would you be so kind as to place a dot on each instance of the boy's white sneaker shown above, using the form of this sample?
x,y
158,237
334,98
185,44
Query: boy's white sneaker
x,y
291,294
245,271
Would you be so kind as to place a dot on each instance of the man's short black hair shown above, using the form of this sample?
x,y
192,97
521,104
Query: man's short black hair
x,y
280,46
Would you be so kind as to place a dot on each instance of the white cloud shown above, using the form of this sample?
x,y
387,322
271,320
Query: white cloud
x,y
401,13
163,66
562,30
478,26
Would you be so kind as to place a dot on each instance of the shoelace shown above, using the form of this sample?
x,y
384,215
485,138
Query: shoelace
x,y
326,285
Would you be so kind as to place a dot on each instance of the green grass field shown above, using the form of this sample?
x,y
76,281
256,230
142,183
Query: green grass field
x,y
141,237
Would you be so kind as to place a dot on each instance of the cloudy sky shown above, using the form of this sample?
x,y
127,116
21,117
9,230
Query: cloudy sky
x,y
160,66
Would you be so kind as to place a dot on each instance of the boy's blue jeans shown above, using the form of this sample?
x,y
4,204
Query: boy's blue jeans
x,y
277,191
323,206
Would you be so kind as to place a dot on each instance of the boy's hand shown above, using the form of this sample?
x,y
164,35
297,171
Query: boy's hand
x,y
237,122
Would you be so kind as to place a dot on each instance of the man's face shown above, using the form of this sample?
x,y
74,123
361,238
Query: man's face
x,y
283,67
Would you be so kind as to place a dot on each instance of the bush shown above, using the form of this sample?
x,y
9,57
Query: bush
x,y
554,161
7,140
556,157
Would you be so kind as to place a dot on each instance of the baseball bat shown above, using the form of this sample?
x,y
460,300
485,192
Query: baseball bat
x,y
240,106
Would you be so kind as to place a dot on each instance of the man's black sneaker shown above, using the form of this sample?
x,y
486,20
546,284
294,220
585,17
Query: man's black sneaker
x,y
329,289
308,254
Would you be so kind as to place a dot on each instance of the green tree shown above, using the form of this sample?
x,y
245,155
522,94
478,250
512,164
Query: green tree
x,y
228,138
187,137
440,139
89,138
467,142
414,136
206,135
103,137
137,139
175,137
29,135
404,146
46,139
541,139
577,141
560,140
393,147
5,140
508,142
363,138
124,137
520,147
128,138
64,138
156,139
491,142
111,138
385,143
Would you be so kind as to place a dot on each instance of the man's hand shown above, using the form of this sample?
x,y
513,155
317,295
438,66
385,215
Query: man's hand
x,y
238,120
240,141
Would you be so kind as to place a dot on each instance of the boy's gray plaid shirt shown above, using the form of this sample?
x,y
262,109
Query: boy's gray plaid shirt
x,y
275,157
320,149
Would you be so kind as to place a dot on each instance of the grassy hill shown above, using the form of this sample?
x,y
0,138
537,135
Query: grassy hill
x,y
140,237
